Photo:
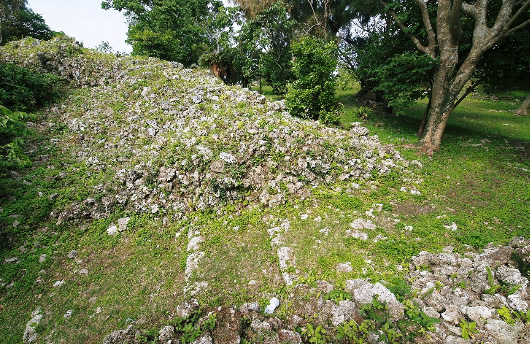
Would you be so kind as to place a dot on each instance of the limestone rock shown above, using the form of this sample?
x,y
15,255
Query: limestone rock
x,y
366,293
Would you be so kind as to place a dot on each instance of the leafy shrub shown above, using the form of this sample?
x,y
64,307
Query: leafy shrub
x,y
12,129
313,94
22,89
404,78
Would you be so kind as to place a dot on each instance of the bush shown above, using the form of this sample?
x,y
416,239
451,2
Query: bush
x,y
12,128
313,93
22,89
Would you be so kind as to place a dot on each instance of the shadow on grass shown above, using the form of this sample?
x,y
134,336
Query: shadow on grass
x,y
473,120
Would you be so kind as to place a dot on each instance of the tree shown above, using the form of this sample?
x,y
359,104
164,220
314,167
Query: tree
x,y
175,30
17,21
491,22
313,93
316,17
274,32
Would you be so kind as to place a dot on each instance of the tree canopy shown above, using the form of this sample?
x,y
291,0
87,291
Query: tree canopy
x,y
176,30
17,20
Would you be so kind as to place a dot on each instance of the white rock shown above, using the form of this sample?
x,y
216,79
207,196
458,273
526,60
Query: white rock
x,y
516,302
504,333
122,223
273,303
58,283
166,333
452,314
453,227
344,267
342,312
362,224
11,260
477,313
204,339
227,157
30,333
365,294
285,257
193,245
192,263
357,234
112,230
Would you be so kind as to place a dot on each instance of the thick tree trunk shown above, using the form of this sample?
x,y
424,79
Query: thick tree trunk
x,y
436,124
523,109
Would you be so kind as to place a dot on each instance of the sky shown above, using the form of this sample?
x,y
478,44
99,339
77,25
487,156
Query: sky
x,y
85,21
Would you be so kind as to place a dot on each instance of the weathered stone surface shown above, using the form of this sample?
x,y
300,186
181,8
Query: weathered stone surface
x,y
365,294
127,335
187,307
204,339
342,312
166,334
30,333
502,332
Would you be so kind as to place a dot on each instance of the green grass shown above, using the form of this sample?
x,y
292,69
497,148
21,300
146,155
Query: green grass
x,y
478,181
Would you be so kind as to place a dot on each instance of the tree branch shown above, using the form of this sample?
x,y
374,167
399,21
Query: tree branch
x,y
426,49
455,22
428,26
470,10
516,15
470,89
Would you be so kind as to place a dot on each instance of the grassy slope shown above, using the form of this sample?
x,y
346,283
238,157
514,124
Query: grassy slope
x,y
479,181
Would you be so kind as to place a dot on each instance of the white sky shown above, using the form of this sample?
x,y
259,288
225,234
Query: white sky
x,y
85,21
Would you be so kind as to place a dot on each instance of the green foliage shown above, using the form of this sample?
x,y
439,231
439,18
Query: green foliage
x,y
376,310
22,89
12,129
316,335
363,112
191,327
17,20
149,336
468,329
401,289
313,93
416,322
172,30
522,316
275,30
506,315
337,295
351,332
404,78
262,49
493,287
399,247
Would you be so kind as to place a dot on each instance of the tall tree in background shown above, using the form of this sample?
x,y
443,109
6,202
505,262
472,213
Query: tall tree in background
x,y
17,20
175,30
491,22
274,30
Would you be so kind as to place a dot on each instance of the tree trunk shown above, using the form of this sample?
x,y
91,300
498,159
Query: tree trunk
x,y
433,133
523,109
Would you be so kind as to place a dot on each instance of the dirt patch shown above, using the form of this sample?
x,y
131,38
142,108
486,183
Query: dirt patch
x,y
411,209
